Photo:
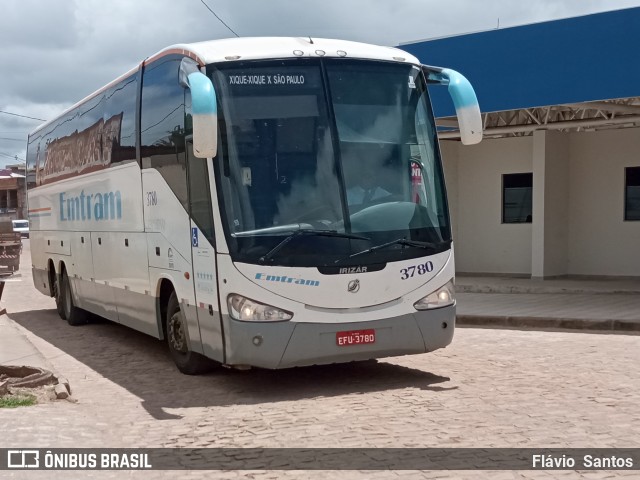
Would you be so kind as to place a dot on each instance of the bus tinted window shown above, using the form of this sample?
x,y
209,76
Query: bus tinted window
x,y
57,158
94,135
162,129
280,153
119,137
33,152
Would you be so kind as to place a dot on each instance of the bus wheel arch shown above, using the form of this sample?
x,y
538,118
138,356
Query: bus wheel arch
x,y
165,288
51,276
55,287
175,332
75,316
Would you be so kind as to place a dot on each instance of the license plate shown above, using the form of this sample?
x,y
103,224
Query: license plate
x,y
355,337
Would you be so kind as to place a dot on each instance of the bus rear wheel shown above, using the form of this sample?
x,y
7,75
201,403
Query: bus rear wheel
x,y
57,295
187,361
74,315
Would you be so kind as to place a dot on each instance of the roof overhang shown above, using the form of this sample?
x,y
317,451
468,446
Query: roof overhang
x,y
572,74
586,116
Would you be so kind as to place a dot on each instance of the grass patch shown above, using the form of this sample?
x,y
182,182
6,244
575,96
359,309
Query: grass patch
x,y
13,401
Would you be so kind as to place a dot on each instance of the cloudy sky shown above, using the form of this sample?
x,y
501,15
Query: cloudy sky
x,y
58,51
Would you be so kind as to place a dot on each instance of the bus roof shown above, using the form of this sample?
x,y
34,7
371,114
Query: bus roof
x,y
256,48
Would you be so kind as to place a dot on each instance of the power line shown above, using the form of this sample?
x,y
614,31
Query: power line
x,y
13,139
12,157
23,116
221,21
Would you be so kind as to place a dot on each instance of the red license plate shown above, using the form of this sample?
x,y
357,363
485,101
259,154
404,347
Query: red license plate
x,y
355,337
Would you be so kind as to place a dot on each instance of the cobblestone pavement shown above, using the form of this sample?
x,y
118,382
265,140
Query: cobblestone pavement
x,y
490,388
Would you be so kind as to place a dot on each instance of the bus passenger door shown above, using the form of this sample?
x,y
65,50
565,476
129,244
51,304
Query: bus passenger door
x,y
203,255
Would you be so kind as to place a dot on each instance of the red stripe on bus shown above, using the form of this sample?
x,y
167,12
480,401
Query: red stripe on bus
x,y
172,51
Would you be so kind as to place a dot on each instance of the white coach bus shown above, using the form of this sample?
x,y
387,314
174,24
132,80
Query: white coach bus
x,y
271,202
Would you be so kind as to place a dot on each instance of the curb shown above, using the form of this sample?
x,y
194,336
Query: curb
x,y
542,290
545,323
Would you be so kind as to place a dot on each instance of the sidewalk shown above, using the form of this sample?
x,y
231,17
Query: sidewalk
x,y
585,304
15,347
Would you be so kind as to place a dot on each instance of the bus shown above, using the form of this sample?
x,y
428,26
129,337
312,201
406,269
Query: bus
x,y
255,202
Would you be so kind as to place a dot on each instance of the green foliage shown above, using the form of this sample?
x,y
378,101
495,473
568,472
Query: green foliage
x,y
13,401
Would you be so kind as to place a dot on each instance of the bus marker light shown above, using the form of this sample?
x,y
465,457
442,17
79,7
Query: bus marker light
x,y
186,275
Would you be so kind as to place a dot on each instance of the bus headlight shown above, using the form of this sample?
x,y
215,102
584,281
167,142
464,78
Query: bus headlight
x,y
442,297
247,310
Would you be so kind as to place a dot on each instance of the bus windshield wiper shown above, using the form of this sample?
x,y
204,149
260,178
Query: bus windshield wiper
x,y
307,231
399,241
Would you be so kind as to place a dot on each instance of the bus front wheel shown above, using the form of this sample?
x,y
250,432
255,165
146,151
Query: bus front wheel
x,y
187,361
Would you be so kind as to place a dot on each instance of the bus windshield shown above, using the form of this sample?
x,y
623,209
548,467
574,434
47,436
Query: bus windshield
x,y
347,146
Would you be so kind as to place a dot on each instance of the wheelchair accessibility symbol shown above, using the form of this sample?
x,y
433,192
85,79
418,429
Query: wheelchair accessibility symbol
x,y
194,237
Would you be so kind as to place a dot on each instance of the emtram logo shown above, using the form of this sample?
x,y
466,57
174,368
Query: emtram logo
x,y
285,279
96,206
23,459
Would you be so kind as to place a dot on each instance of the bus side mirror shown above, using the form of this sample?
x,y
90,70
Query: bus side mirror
x,y
204,109
464,99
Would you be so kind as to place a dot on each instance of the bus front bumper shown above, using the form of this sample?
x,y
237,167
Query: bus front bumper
x,y
296,344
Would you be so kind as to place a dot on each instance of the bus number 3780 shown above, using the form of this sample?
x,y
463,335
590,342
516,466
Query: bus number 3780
x,y
420,269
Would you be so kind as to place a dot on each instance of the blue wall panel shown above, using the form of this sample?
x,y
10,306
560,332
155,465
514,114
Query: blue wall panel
x,y
594,57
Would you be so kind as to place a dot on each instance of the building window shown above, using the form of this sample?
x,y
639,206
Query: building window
x,y
517,204
632,193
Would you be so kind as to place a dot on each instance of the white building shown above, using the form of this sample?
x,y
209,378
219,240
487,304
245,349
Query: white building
x,y
554,189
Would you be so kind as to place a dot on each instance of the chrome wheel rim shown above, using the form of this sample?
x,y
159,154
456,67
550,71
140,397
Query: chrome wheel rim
x,y
176,333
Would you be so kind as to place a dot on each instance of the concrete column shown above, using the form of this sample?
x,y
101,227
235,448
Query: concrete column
x,y
550,232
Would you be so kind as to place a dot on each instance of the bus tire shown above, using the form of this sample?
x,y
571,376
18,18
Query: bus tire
x,y
187,361
75,316
57,295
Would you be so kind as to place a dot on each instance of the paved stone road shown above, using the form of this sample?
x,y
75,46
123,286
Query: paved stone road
x,y
490,388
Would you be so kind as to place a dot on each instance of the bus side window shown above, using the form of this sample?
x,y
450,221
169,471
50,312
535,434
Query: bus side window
x,y
200,207
162,124
33,156
53,156
119,130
